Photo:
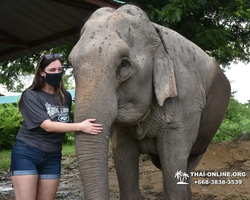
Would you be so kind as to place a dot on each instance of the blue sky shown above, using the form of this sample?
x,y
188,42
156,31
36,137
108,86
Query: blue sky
x,y
239,76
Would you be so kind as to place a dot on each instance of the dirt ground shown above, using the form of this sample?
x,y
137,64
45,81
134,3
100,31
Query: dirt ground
x,y
232,157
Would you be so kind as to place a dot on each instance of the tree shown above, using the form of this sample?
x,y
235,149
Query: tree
x,y
67,83
219,27
12,73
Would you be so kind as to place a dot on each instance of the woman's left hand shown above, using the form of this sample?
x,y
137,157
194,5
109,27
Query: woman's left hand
x,y
89,127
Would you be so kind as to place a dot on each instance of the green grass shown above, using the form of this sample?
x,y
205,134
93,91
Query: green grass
x,y
5,160
69,150
230,196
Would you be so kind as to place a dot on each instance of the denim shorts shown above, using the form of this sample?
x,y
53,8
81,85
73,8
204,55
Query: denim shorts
x,y
27,160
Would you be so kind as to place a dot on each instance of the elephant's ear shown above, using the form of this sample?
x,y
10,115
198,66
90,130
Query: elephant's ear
x,y
163,70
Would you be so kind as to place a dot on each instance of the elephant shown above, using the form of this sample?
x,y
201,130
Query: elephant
x,y
154,91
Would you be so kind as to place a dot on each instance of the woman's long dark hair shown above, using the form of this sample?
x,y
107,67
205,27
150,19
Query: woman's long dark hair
x,y
38,81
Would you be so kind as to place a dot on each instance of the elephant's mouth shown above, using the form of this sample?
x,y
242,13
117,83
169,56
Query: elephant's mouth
x,y
137,121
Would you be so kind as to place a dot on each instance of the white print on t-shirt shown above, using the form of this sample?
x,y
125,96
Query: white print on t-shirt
x,y
54,111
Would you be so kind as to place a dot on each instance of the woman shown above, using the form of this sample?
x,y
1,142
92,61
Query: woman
x,y
36,154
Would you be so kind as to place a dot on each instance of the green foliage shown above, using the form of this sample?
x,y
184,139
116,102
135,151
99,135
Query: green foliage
x,y
69,138
67,83
12,72
221,28
10,123
236,121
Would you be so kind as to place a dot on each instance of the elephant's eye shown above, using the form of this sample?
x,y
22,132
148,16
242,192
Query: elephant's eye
x,y
124,63
124,70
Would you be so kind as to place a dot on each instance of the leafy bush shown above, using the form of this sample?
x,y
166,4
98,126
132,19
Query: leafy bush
x,y
69,138
236,121
10,123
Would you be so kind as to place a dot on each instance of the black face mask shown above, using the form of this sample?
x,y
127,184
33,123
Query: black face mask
x,y
53,79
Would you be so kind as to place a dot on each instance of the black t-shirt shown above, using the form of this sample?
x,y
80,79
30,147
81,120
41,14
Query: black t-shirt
x,y
38,106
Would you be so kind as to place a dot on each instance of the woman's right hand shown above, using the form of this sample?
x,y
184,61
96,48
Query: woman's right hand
x,y
89,127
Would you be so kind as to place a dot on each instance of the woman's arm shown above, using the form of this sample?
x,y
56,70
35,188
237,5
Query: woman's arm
x,y
86,126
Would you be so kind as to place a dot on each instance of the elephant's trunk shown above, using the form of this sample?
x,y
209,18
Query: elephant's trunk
x,y
92,150
92,155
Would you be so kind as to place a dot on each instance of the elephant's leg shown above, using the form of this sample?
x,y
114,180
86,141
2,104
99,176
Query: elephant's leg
x,y
126,156
193,161
174,147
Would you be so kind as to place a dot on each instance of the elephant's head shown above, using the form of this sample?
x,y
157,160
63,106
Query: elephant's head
x,y
120,66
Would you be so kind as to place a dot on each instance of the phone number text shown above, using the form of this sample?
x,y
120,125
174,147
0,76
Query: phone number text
x,y
218,182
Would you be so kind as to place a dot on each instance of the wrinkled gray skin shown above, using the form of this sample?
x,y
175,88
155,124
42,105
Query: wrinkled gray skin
x,y
155,93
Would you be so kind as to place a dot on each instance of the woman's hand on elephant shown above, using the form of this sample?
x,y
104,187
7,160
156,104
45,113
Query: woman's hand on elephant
x,y
89,127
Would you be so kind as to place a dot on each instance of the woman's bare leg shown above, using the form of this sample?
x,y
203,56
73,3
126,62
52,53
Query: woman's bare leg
x,y
25,186
47,189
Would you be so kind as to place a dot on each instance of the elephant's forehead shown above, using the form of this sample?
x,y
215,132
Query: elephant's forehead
x,y
119,29
118,20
